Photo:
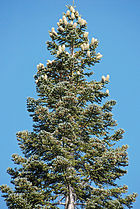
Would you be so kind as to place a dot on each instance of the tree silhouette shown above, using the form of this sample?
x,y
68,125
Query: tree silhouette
x,y
70,159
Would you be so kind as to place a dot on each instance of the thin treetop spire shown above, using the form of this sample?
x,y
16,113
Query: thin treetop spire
x,y
73,3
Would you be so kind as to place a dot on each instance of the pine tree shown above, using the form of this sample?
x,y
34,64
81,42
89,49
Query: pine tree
x,y
70,159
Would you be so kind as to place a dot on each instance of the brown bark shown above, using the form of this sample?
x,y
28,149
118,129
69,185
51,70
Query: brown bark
x,y
70,199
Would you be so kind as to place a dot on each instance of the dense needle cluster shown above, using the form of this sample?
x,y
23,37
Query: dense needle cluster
x,y
69,159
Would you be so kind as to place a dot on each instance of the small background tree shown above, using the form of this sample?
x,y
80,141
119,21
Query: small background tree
x,y
70,158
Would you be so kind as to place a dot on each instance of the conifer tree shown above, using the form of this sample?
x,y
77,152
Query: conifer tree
x,y
70,160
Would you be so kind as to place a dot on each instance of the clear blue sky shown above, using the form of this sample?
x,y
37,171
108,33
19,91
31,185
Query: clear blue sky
x,y
24,29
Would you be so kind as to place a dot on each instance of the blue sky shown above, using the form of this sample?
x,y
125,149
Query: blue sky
x,y
24,29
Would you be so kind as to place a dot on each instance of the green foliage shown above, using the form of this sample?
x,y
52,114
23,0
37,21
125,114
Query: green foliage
x,y
71,147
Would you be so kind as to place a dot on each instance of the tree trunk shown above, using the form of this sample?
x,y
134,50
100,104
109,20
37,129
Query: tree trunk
x,y
70,199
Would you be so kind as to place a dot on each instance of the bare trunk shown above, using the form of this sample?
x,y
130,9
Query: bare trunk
x,y
70,199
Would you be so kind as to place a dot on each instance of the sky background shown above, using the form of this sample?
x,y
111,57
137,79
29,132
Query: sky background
x,y
24,29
